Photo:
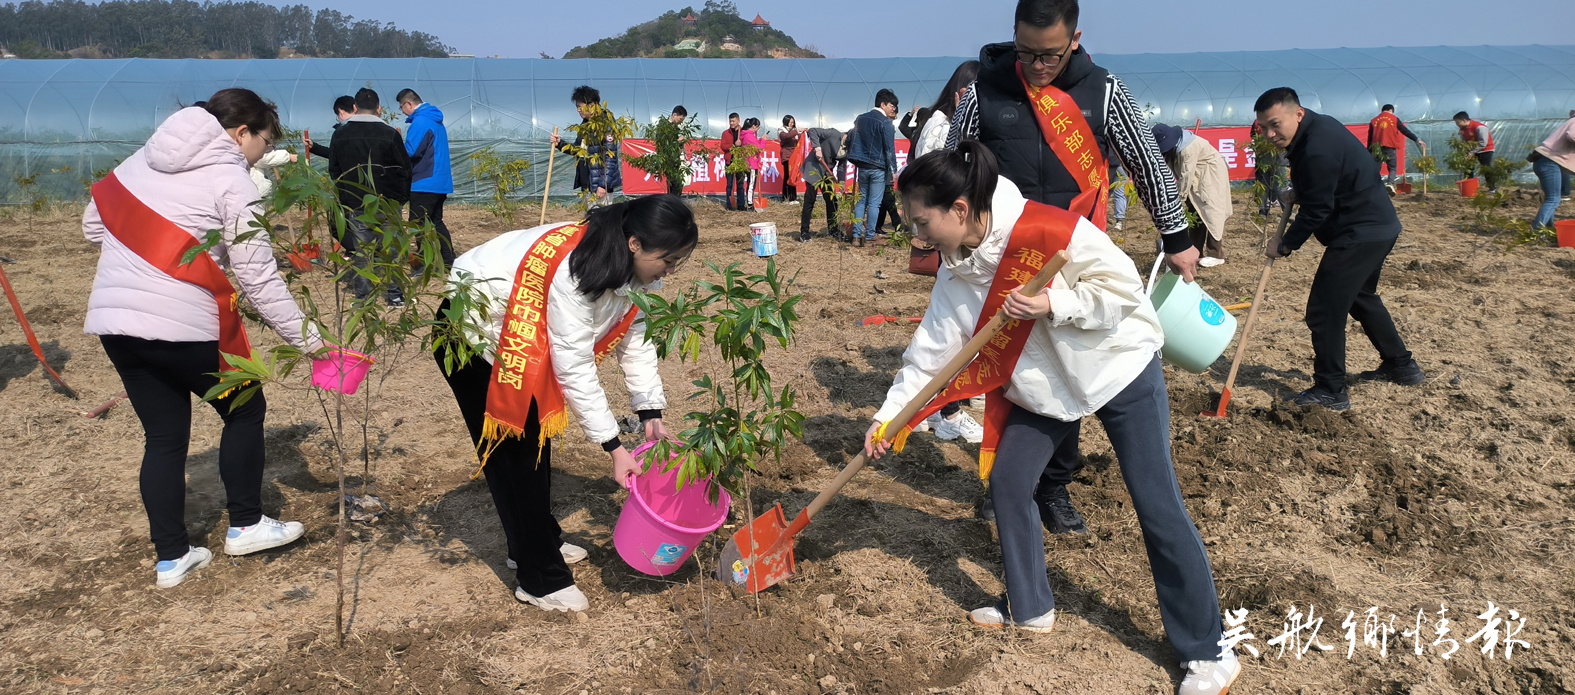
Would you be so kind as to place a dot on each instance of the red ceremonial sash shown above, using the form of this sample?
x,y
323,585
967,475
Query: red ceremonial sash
x,y
522,371
1039,234
162,244
1062,124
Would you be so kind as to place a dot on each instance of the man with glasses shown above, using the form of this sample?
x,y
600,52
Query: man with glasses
x,y
1038,102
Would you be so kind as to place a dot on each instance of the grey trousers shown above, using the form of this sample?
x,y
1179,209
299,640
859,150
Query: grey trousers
x,y
1138,422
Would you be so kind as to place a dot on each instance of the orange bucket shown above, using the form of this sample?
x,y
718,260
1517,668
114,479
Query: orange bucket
x,y
1566,232
1468,188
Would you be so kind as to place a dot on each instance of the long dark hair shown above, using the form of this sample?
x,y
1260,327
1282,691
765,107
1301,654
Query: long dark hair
x,y
946,102
603,262
236,107
940,178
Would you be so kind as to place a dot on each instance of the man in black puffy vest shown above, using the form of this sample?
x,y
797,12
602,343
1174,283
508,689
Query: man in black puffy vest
x,y
996,111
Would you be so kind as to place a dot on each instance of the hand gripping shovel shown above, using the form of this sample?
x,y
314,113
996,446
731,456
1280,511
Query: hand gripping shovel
x,y
761,554
1246,331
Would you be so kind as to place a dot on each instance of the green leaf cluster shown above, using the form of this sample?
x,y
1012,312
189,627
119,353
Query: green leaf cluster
x,y
743,417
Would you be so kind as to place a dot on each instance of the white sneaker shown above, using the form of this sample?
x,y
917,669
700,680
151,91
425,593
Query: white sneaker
x,y
1118,224
266,533
990,617
1210,677
928,423
172,572
1209,262
570,599
959,425
571,554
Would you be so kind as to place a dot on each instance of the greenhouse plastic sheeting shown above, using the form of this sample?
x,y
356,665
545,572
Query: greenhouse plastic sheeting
x,y
64,119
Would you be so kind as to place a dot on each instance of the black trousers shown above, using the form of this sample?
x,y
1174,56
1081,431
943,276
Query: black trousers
x,y
429,206
1346,284
809,211
521,486
160,378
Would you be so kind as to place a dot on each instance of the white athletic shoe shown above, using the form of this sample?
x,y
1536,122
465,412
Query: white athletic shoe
x,y
959,425
990,617
1209,262
1210,677
266,533
928,423
172,572
571,554
570,599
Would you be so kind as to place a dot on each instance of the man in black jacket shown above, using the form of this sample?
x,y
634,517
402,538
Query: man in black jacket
x,y
995,110
344,108
368,156
824,171
1344,204
603,178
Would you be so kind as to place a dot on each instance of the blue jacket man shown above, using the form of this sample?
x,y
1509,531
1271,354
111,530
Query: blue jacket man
x,y
432,177
873,151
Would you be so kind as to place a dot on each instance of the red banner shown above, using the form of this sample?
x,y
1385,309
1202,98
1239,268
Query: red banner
x,y
709,176
1234,144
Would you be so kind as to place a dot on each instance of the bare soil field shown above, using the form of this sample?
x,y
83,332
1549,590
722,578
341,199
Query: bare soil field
x,y
1453,494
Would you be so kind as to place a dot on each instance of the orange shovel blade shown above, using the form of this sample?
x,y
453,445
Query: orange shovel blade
x,y
760,554
1220,413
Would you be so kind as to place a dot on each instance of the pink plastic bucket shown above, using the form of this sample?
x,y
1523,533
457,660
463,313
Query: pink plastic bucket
x,y
660,525
342,370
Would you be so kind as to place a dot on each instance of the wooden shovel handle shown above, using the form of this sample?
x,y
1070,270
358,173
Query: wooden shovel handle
x,y
936,385
1252,312
547,190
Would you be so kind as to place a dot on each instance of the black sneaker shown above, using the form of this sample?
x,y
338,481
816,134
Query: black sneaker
x,y
1318,396
803,236
1057,512
1408,374
986,510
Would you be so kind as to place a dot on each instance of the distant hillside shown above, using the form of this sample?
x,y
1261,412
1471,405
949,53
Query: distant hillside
x,y
186,29
716,31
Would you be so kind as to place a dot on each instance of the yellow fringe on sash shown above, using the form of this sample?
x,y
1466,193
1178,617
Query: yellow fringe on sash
x,y
986,462
901,440
494,431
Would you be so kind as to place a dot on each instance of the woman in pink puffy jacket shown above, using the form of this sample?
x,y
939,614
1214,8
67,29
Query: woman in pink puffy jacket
x,y
163,324
750,136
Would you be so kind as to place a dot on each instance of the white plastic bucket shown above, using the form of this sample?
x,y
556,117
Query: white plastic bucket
x,y
1197,329
764,236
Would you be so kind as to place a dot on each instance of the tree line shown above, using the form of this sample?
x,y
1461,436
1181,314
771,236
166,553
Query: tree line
x,y
186,29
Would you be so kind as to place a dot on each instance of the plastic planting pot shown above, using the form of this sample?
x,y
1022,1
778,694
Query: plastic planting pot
x,y
1566,233
660,526
341,370
1197,329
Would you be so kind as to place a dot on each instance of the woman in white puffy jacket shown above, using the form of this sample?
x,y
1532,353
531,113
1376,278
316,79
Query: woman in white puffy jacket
x,y
550,317
1086,345
270,161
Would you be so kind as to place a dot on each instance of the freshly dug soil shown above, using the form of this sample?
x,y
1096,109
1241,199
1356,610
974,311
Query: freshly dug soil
x,y
1457,492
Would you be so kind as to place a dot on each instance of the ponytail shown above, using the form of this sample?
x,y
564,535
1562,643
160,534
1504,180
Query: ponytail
x,y
941,177
603,261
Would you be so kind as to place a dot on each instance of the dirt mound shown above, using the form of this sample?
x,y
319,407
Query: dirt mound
x,y
417,658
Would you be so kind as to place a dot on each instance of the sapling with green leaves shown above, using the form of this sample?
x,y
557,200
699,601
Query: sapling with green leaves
x,y
600,134
363,325
670,158
503,176
743,418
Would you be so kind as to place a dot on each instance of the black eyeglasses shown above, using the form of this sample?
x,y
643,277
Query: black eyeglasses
x,y
1049,60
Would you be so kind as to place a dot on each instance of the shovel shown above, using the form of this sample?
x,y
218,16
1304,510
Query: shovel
x,y
878,320
761,554
1246,331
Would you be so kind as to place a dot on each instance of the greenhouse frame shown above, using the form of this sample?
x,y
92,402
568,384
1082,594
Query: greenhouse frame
x,y
62,120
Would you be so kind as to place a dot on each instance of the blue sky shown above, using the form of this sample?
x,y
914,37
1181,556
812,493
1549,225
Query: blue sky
x,y
862,29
